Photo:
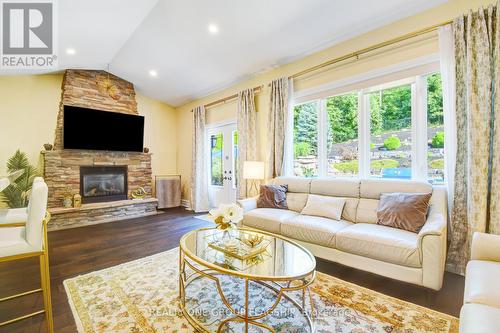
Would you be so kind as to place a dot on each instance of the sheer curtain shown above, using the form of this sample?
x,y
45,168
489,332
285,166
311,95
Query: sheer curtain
x,y
279,127
199,185
247,135
447,61
476,195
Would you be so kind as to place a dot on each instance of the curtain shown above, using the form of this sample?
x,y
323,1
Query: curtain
x,y
477,174
199,186
278,123
447,64
247,135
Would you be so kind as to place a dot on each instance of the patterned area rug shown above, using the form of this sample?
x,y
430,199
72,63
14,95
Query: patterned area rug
x,y
141,296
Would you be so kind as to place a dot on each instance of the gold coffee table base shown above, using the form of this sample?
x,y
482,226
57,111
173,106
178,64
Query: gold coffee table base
x,y
281,286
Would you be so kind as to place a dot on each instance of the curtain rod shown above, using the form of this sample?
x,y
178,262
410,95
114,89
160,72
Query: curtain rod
x,y
371,48
344,57
229,98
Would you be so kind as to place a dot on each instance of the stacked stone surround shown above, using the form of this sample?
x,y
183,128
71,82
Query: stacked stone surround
x,y
62,170
87,88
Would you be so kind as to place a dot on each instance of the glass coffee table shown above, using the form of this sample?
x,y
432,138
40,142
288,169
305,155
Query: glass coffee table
x,y
228,285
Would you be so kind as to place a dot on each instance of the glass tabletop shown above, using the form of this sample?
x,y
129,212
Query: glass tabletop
x,y
276,258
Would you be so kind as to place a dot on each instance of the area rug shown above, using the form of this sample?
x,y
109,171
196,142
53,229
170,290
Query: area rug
x,y
142,296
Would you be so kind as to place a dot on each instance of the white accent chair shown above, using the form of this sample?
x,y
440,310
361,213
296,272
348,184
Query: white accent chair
x,y
481,310
23,234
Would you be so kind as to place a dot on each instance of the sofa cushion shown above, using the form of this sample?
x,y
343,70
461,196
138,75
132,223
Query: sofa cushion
x,y
324,206
350,208
481,283
267,219
373,188
272,196
295,184
406,211
313,229
296,201
381,243
335,187
478,318
366,211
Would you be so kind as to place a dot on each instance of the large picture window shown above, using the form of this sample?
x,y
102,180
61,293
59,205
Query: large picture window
x,y
394,130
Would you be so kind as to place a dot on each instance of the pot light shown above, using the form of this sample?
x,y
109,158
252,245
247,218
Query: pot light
x,y
213,29
70,51
153,73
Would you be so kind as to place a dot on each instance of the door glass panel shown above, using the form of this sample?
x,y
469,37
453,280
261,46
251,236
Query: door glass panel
x,y
235,159
390,128
305,140
342,141
216,164
435,130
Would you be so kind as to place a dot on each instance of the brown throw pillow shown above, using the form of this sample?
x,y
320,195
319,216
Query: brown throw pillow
x,y
407,211
272,196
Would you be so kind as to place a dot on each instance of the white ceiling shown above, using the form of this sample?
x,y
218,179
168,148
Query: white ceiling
x,y
171,37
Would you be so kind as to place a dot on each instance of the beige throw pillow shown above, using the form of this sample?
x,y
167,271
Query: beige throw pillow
x,y
407,211
324,206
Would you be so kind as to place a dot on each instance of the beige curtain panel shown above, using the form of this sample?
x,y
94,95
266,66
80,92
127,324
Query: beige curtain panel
x,y
277,124
476,196
247,135
199,186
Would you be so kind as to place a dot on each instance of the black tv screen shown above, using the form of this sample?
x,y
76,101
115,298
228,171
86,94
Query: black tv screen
x,y
102,130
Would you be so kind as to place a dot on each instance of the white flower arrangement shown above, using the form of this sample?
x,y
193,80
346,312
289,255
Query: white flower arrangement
x,y
226,216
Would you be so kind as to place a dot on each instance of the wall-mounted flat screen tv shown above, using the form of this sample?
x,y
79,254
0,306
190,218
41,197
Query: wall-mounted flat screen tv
x,y
102,130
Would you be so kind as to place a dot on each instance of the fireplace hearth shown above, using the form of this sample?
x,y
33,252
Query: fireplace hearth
x,y
103,183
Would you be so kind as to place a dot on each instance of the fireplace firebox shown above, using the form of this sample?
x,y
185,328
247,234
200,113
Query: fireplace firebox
x,y
103,183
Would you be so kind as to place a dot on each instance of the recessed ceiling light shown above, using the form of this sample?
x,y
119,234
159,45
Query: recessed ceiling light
x,y
213,29
70,51
153,73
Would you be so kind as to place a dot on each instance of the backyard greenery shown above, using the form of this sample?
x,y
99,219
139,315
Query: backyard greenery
x,y
352,166
437,164
390,111
392,143
438,140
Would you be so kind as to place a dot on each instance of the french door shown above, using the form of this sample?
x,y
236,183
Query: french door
x,y
222,164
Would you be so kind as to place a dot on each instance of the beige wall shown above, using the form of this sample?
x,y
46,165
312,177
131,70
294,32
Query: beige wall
x,y
404,52
28,112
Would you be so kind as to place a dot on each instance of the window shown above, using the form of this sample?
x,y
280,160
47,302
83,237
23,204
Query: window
x,y
216,159
342,140
235,159
305,139
435,130
390,133
394,130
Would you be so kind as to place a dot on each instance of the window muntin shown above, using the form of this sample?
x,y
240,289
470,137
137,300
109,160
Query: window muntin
x,y
409,110
305,139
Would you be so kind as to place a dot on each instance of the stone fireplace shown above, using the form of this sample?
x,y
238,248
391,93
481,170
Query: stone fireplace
x,y
103,183
104,179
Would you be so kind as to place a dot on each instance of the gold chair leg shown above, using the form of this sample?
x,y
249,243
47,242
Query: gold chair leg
x,y
45,281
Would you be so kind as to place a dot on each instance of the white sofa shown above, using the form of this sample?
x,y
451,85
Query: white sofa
x,y
481,310
357,240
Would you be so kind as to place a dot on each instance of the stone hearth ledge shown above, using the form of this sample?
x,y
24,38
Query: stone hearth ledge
x,y
102,212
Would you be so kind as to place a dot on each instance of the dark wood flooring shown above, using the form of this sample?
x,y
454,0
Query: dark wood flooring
x,y
83,250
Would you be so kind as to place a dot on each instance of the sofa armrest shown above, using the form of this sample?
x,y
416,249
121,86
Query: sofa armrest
x,y
485,247
432,241
248,204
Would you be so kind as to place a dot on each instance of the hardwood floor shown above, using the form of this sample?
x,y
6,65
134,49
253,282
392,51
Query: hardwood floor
x,y
82,250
